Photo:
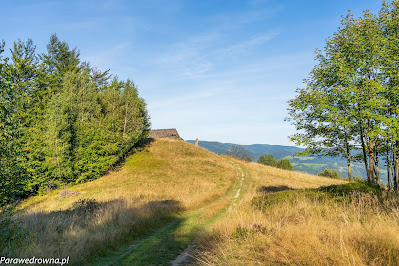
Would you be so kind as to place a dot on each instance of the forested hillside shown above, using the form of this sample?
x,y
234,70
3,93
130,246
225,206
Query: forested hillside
x,y
61,120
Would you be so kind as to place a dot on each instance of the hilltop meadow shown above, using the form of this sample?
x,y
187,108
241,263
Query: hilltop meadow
x,y
83,181
169,195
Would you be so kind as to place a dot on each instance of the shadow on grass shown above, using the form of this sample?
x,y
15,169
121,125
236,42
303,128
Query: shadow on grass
x,y
159,248
271,189
91,229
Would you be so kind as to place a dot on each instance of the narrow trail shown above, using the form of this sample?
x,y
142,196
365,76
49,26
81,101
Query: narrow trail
x,y
173,243
185,255
239,190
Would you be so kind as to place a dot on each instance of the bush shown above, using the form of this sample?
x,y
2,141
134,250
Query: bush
x,y
285,164
12,235
330,173
349,188
268,159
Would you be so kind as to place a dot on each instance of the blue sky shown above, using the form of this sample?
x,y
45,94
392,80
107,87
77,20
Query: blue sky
x,y
215,70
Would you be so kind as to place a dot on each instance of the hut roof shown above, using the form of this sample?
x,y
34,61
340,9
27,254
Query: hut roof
x,y
170,133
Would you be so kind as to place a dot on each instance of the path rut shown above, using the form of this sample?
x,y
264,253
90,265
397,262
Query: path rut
x,y
188,219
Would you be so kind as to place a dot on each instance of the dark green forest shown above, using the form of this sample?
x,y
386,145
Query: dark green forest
x,y
61,120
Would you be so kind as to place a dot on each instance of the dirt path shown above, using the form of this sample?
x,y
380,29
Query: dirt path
x,y
173,243
185,255
239,190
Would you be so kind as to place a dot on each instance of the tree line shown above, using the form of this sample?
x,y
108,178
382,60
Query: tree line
x,y
350,104
61,120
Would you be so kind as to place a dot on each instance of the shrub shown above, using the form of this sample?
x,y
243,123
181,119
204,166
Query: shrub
x,y
12,234
349,188
285,164
267,159
330,173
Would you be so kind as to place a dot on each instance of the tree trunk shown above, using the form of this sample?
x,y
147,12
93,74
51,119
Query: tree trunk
x,y
370,147
364,153
396,166
348,157
370,177
377,169
396,172
389,168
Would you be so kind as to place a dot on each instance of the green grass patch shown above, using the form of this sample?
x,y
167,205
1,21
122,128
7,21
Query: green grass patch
x,y
352,187
326,194
288,196
145,161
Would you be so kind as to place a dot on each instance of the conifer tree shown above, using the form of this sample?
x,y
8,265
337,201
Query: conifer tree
x,y
12,174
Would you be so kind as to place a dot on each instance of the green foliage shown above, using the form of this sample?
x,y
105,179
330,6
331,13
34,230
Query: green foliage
x,y
351,98
12,234
350,188
12,175
62,121
330,173
285,164
268,159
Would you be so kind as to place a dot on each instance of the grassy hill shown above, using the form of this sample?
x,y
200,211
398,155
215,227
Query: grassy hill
x,y
172,195
281,223
150,189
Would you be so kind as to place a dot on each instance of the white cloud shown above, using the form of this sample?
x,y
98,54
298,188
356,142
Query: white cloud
x,y
245,46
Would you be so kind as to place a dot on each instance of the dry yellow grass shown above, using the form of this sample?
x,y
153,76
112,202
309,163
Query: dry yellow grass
x,y
171,176
167,170
304,232
150,188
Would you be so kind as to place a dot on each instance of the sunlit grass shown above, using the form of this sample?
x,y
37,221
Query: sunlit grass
x,y
277,224
152,186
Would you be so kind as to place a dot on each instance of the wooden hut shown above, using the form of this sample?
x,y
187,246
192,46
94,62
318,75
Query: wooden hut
x,y
170,133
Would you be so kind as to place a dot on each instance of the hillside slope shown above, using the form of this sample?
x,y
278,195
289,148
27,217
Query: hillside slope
x,y
284,219
150,189
170,189
166,169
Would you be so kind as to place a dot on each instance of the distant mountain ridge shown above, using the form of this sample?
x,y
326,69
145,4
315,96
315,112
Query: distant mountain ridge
x,y
306,164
